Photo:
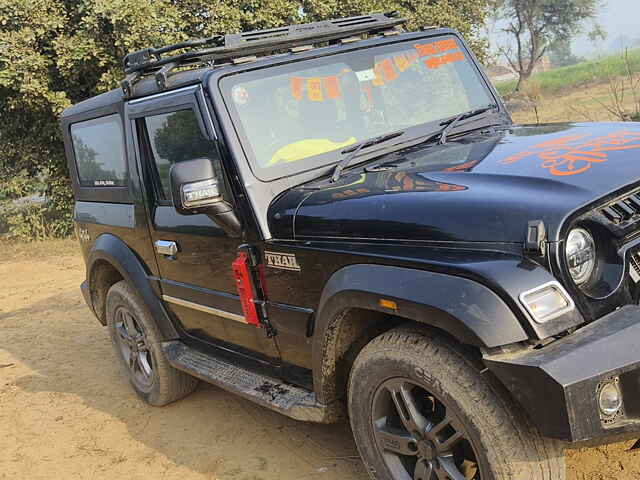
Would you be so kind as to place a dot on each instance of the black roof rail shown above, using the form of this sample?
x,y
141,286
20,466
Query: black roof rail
x,y
233,46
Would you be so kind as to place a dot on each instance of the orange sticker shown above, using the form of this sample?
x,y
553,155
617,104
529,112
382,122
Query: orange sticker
x,y
426,49
412,56
314,89
388,72
575,154
445,45
332,86
296,87
401,62
455,56
377,81
435,62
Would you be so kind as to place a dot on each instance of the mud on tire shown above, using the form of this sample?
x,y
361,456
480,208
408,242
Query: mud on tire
x,y
474,430
136,340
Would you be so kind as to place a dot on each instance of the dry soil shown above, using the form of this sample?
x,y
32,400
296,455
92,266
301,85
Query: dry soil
x,y
66,411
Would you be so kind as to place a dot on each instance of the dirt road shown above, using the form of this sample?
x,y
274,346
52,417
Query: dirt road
x,y
66,412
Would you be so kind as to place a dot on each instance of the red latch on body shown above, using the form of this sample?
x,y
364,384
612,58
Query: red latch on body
x,y
244,285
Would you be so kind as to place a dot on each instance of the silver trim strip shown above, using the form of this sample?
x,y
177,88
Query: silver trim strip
x,y
204,308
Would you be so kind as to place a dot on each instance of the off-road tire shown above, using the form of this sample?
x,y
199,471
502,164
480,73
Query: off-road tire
x,y
508,447
166,384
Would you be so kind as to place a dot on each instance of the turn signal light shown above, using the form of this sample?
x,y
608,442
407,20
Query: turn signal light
x,y
547,302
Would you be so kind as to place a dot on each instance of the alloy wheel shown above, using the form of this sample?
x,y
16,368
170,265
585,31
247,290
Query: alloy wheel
x,y
134,346
418,436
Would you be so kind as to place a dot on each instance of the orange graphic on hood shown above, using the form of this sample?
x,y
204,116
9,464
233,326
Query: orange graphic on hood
x,y
576,154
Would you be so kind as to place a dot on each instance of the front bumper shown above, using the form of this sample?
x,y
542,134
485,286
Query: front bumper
x,y
557,385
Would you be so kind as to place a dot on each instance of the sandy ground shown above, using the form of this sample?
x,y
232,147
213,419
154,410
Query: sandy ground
x,y
66,412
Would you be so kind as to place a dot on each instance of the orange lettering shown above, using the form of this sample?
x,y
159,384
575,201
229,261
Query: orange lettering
x,y
425,49
445,45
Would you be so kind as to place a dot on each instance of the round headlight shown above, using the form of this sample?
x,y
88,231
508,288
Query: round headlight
x,y
581,255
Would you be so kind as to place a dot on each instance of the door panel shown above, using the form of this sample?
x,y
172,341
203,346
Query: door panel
x,y
197,281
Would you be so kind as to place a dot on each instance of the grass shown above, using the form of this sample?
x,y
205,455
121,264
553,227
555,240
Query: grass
x,y
580,74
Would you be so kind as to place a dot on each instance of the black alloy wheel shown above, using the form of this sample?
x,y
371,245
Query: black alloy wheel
x,y
134,347
418,437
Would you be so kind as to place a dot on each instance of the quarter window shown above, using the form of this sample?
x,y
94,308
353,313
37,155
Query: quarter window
x,y
99,150
175,137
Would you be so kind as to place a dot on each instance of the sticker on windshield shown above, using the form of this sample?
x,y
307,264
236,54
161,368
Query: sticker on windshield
x,y
296,87
332,87
314,89
401,62
240,95
365,75
386,68
436,62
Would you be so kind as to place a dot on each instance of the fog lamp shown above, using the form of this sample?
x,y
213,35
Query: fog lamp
x,y
610,399
547,302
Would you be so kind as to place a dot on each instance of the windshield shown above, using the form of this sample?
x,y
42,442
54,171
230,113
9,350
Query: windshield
x,y
299,116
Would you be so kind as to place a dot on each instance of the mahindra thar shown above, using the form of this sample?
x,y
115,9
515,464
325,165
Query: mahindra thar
x,y
340,218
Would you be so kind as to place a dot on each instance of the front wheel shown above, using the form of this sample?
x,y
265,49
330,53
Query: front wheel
x,y
420,409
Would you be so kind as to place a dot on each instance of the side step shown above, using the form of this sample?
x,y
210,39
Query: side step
x,y
269,392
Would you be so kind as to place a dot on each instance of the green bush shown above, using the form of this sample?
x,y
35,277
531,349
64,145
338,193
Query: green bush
x,y
54,53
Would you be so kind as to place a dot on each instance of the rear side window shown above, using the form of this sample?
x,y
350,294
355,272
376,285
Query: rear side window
x,y
175,137
98,145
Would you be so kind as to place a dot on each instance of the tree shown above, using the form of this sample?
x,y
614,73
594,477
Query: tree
x,y
537,24
54,53
561,55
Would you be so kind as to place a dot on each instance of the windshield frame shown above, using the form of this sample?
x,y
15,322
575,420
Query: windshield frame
x,y
329,159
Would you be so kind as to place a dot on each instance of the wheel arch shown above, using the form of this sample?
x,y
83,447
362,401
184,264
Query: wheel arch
x,y
111,260
350,314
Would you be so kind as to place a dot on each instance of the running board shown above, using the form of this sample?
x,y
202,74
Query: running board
x,y
292,401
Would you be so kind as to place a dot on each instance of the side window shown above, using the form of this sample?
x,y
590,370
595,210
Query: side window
x,y
98,145
175,137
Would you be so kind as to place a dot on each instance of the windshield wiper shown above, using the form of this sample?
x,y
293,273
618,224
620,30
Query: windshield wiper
x,y
353,150
453,123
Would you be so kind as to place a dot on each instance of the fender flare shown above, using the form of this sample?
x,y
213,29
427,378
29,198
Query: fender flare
x,y
467,310
113,250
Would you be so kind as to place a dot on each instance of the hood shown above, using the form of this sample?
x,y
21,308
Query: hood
x,y
481,188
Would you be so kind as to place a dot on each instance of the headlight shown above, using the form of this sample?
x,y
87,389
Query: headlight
x,y
580,252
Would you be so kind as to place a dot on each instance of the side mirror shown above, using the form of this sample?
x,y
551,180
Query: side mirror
x,y
195,189
194,186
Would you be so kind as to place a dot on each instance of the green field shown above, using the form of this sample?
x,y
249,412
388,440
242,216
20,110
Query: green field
x,y
580,74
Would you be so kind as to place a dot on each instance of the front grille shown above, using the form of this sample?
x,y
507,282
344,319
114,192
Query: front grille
x,y
623,209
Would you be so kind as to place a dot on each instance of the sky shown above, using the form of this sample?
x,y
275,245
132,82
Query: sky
x,y
617,17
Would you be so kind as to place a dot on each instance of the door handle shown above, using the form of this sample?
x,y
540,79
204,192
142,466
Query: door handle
x,y
166,247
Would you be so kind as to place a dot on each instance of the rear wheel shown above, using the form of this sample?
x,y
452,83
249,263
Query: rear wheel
x,y
422,410
136,340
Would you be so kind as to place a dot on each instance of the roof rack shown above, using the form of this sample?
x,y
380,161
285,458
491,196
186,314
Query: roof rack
x,y
238,46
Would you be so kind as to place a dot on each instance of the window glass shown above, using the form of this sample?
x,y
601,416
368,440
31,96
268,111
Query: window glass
x,y
299,116
99,149
174,137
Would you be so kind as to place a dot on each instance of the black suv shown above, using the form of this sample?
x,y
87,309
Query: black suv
x,y
340,217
